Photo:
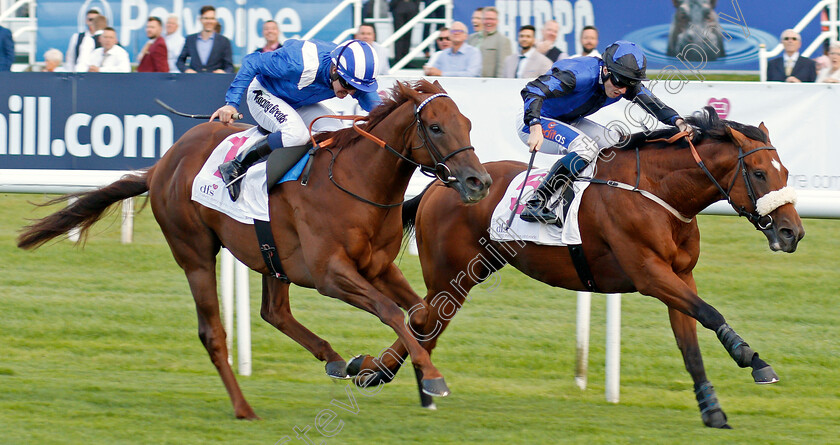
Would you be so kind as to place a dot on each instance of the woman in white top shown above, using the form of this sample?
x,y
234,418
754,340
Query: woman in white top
x,y
831,73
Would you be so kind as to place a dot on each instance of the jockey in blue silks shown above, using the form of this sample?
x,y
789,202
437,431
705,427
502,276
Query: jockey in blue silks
x,y
555,106
284,90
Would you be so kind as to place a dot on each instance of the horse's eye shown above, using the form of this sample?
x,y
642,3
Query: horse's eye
x,y
435,128
759,175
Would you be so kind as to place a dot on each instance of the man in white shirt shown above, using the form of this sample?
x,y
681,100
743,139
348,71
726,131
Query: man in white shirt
x,y
588,42
174,42
81,45
110,58
367,34
528,63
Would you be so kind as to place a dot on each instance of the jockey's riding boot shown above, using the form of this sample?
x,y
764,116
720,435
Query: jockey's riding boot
x,y
234,170
560,175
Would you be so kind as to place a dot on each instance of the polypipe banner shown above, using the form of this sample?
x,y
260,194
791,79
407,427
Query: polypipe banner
x,y
705,34
241,20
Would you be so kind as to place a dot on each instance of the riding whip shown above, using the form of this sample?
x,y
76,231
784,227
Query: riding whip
x,y
237,116
516,205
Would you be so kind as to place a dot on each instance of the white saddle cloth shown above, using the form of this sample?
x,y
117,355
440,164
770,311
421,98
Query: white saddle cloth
x,y
547,234
209,189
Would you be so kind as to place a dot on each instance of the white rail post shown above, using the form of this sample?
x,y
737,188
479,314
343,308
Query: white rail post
x,y
226,278
243,319
613,352
127,228
584,307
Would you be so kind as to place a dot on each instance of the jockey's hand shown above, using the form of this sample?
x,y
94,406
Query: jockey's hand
x,y
535,139
225,114
680,123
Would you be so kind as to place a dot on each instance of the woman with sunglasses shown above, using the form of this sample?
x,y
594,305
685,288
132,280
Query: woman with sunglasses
x,y
557,102
284,90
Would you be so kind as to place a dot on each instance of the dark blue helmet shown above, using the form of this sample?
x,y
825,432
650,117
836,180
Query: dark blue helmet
x,y
625,62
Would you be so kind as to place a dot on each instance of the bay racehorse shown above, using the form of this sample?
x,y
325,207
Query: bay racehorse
x,y
342,242
631,242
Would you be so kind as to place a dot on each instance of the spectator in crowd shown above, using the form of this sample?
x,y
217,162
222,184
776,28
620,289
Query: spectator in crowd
x,y
206,51
53,61
403,11
271,34
367,34
110,57
528,63
823,60
153,56
100,22
174,43
81,45
477,35
7,49
789,67
442,42
495,47
588,42
831,73
459,60
549,37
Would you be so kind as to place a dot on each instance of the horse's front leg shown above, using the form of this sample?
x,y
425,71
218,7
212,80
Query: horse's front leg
x,y
276,310
656,278
685,331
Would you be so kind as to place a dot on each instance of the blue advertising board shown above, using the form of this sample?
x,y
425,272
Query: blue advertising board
x,y
707,34
241,20
96,121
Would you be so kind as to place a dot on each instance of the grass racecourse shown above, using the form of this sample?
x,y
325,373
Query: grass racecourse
x,y
99,345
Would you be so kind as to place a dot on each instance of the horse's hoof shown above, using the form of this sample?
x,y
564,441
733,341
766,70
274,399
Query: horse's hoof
x,y
716,419
435,387
355,366
337,369
765,375
431,407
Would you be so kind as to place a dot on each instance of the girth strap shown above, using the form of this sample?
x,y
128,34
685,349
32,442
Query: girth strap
x,y
269,250
582,267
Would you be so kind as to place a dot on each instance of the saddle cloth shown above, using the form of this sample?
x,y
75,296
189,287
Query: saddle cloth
x,y
209,190
547,234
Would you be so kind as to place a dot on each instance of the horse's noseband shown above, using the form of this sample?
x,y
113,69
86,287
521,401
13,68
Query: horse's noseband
x,y
440,169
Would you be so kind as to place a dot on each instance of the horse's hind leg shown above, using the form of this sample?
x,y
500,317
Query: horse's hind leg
x,y
685,331
276,310
198,259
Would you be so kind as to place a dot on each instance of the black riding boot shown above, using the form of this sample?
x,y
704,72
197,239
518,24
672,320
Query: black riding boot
x,y
536,210
234,170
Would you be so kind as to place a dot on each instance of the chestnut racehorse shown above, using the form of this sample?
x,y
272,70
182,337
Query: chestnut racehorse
x,y
341,241
630,242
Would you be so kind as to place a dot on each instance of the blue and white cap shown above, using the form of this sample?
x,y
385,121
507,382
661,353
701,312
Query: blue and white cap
x,y
357,64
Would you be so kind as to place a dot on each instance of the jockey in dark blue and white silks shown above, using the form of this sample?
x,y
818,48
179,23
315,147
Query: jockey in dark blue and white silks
x,y
556,103
283,89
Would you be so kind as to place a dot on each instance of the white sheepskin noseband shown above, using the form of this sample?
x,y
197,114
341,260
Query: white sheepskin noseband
x,y
774,200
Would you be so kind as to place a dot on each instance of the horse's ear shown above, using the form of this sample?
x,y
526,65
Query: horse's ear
x,y
437,84
737,137
763,128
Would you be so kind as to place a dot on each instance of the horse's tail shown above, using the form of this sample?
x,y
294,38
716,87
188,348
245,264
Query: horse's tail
x,y
83,213
409,211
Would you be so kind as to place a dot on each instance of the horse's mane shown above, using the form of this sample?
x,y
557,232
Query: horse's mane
x,y
400,94
708,125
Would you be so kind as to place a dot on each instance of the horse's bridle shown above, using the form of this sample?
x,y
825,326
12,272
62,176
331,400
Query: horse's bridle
x,y
754,217
440,169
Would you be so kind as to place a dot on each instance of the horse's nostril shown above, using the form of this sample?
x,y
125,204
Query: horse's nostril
x,y
787,233
473,183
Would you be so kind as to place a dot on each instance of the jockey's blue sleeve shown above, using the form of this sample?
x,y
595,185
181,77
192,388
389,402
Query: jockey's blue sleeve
x,y
652,104
553,84
368,101
247,72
